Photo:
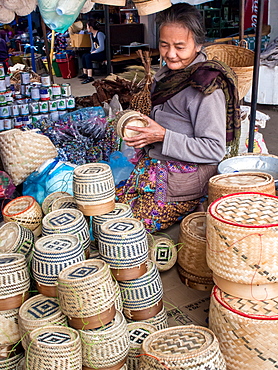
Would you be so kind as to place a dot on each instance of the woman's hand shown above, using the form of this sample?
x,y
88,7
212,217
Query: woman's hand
x,y
147,135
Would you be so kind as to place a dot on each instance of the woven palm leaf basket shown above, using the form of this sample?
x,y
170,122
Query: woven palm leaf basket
x,y
242,244
240,59
128,118
159,321
162,251
121,210
193,268
16,238
52,253
240,182
87,294
22,152
54,347
94,188
182,347
246,330
47,203
106,347
123,245
138,331
14,280
142,297
68,221
67,201
151,6
9,330
37,312
11,362
25,211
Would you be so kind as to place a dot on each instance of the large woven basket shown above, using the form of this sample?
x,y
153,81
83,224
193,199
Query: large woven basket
x,y
87,294
246,330
22,152
159,321
142,297
107,346
37,312
192,249
151,6
9,332
240,182
14,280
123,245
162,251
47,203
11,362
138,331
240,59
242,240
52,253
16,238
94,188
67,221
182,347
121,210
26,211
54,347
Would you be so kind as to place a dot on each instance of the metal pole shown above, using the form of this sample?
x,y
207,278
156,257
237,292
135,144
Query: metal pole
x,y
107,39
256,75
32,51
241,19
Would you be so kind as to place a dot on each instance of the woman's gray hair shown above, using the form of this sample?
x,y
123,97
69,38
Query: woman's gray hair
x,y
187,16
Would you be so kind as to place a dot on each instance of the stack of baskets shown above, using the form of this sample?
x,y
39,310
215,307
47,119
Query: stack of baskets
x,y
242,250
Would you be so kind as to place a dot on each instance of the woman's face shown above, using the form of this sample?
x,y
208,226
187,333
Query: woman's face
x,y
177,46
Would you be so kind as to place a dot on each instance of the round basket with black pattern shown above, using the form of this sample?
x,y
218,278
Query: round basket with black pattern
x,y
11,362
159,321
48,201
123,245
66,201
14,280
37,312
162,251
87,294
52,253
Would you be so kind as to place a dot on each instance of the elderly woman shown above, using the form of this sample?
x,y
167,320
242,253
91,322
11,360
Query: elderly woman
x,y
194,120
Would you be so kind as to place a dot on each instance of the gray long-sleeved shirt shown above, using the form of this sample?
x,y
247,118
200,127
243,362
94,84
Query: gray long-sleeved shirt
x,y
195,125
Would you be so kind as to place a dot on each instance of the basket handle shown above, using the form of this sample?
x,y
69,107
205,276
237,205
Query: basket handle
x,y
243,43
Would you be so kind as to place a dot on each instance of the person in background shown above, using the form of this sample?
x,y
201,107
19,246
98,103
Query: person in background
x,y
4,51
97,52
194,123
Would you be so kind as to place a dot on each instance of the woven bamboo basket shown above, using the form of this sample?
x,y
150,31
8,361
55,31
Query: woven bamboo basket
x,y
94,188
17,239
11,362
182,347
52,254
64,202
67,221
251,328
22,152
26,211
37,312
240,59
121,210
128,118
9,332
87,294
151,6
14,280
159,321
107,346
54,347
162,251
142,297
242,241
240,182
123,245
138,331
47,203
118,297
192,252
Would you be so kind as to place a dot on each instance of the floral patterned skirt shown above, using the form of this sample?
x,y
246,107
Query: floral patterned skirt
x,y
139,192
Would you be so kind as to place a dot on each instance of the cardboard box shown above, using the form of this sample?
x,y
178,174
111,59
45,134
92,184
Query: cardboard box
x,y
80,40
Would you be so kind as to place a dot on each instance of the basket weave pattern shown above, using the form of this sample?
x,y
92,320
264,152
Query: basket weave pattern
x,y
64,202
16,238
50,199
163,252
11,362
159,321
9,333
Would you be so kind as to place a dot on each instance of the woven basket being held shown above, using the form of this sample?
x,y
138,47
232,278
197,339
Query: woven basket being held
x,y
246,330
240,59
159,321
182,347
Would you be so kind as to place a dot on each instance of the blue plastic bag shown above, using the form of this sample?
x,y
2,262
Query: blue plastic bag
x,y
120,166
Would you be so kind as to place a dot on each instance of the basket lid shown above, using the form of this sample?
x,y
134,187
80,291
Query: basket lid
x,y
121,210
253,309
46,204
53,336
62,218
19,205
57,244
8,261
246,210
92,171
195,225
9,236
40,307
120,227
241,179
138,331
83,270
64,202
